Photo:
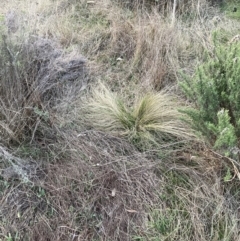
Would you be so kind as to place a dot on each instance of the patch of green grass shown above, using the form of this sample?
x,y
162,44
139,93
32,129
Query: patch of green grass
x,y
169,223
221,36
175,218
232,9
172,220
11,237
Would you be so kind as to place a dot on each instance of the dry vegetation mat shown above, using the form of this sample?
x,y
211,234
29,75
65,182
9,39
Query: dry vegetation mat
x,y
97,140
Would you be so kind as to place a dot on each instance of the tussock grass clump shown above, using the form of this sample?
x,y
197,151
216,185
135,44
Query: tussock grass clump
x,y
35,74
151,119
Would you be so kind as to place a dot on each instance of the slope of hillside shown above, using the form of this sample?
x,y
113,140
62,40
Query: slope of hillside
x,y
95,142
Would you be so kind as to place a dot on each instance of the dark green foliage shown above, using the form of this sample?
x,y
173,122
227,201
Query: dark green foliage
x,y
215,92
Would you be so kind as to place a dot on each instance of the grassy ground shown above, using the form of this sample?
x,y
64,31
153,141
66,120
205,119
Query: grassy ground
x,y
93,146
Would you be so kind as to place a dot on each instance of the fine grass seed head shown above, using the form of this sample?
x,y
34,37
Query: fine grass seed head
x,y
152,119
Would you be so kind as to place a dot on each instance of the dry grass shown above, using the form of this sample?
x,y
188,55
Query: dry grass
x,y
35,75
110,191
152,47
95,184
165,5
153,118
99,194
156,51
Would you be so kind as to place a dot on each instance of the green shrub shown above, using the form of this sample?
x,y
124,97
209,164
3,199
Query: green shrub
x,y
224,131
152,119
214,91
